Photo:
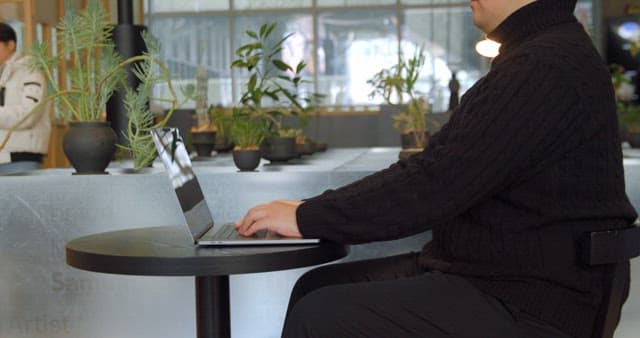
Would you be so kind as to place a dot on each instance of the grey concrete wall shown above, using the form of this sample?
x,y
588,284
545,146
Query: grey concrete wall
x,y
364,129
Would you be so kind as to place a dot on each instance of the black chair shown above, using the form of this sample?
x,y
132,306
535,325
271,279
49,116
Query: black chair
x,y
614,249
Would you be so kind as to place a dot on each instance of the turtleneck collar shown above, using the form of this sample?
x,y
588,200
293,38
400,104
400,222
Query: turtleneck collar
x,y
532,18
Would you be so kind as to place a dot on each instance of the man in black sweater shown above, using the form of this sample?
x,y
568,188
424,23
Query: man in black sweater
x,y
529,161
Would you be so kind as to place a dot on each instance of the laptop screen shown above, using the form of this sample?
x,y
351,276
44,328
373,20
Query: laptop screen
x,y
177,163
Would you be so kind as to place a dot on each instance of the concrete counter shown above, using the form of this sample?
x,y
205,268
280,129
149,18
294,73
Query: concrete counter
x,y
42,297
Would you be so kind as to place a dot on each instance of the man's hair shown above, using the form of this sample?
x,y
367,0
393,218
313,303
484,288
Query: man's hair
x,y
7,33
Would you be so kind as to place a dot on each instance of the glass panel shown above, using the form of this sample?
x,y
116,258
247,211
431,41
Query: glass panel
x,y
257,4
448,37
339,3
353,46
584,13
299,46
189,42
163,6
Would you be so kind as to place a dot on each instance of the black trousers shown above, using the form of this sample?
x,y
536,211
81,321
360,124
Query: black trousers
x,y
394,297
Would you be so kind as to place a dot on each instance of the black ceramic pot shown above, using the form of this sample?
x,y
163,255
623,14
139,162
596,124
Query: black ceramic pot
x,y
246,160
203,142
89,146
279,149
320,146
634,139
305,148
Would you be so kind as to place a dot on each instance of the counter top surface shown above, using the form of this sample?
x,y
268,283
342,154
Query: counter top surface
x,y
339,159
333,160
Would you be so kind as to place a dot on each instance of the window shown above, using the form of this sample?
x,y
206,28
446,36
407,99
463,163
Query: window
x,y
192,41
352,46
344,42
298,47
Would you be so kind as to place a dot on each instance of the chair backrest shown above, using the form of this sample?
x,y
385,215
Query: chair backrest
x,y
614,249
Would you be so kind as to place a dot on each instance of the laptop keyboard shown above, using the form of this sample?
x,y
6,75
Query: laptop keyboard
x,y
227,231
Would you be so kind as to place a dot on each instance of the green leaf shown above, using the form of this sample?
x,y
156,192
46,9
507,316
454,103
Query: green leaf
x,y
238,64
279,43
256,96
269,29
272,95
300,67
252,34
263,29
253,61
248,48
281,65
252,82
275,51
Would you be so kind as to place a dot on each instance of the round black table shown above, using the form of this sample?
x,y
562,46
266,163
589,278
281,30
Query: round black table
x,y
167,251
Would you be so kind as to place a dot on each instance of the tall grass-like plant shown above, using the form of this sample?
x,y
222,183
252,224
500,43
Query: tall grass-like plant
x,y
95,70
150,71
221,119
247,130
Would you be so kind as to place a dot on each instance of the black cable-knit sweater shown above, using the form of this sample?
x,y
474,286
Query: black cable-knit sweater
x,y
529,161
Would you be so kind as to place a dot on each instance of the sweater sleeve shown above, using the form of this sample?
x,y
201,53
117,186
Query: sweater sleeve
x,y
511,121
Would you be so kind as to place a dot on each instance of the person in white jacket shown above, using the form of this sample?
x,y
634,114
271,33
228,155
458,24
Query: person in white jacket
x,y
22,88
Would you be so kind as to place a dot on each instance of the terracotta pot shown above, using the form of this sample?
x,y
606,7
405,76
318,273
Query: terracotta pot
x,y
89,146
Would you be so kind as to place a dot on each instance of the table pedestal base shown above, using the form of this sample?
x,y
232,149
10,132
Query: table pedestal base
x,y
212,307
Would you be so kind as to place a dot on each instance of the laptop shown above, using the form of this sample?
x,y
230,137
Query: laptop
x,y
203,229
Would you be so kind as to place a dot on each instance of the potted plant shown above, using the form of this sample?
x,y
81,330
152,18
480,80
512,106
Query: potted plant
x,y
95,72
272,78
150,71
203,134
411,124
221,119
629,119
628,113
397,84
90,142
247,133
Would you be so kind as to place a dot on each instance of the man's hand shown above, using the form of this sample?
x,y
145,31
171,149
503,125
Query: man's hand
x,y
278,216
